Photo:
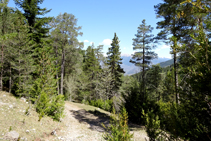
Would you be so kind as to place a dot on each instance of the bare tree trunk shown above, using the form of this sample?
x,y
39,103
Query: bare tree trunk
x,y
10,81
2,63
57,75
62,71
143,71
176,78
19,72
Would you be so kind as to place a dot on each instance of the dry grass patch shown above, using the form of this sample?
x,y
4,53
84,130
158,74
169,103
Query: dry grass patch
x,y
13,117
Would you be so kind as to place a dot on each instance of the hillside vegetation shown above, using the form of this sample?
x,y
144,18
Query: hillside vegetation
x,y
15,115
81,122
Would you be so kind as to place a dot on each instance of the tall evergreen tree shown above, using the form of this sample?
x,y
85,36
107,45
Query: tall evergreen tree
x,y
174,25
34,15
20,56
65,33
114,60
5,34
144,43
91,68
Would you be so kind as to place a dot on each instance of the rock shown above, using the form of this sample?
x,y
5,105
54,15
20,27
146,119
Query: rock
x,y
22,98
27,131
53,132
11,106
12,136
4,95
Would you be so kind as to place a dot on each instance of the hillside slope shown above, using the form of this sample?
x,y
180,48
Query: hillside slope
x,y
13,118
81,122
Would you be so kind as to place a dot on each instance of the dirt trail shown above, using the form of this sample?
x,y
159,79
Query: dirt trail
x,y
85,125
81,125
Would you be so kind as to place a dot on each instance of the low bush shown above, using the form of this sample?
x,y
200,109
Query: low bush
x,y
52,107
103,104
118,129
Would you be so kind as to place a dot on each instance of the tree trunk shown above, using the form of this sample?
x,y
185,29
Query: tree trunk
x,y
2,63
10,81
62,71
176,77
143,71
57,75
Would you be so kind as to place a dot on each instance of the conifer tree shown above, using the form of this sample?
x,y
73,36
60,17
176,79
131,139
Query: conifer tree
x,y
5,34
153,81
114,60
173,25
65,33
34,15
144,44
21,56
91,68
44,92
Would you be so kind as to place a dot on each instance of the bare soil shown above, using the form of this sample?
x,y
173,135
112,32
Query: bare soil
x,y
81,122
84,123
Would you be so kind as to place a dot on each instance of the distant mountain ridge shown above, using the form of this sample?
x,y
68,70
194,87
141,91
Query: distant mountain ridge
x,y
167,63
130,68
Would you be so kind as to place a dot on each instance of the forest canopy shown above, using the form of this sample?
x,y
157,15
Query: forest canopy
x,y
42,60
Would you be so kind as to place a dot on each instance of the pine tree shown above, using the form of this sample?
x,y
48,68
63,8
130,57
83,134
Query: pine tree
x,y
144,43
34,15
65,26
21,56
173,25
91,69
44,93
118,129
153,78
7,25
114,60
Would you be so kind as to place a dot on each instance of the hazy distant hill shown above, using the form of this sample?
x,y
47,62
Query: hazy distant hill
x,y
130,68
167,63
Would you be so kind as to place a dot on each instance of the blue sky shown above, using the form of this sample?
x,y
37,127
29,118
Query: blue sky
x,y
101,18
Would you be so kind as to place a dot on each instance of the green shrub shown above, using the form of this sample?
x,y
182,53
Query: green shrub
x,y
118,129
56,107
52,107
103,104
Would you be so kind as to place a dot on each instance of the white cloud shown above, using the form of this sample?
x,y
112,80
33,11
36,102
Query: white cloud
x,y
105,54
157,49
86,41
124,48
125,54
107,42
91,43
165,46
165,56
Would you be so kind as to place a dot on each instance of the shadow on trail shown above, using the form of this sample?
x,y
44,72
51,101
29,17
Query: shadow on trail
x,y
93,118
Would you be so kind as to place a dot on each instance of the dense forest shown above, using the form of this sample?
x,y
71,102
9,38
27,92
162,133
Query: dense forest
x,y
43,61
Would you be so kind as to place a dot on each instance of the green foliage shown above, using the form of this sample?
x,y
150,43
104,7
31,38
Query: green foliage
x,y
103,104
32,13
152,125
10,129
118,129
56,107
114,61
43,92
42,104
50,106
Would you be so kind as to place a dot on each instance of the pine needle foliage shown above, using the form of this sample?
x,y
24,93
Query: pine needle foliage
x,y
44,92
118,129
114,61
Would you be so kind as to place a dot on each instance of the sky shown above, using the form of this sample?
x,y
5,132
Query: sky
x,y
100,19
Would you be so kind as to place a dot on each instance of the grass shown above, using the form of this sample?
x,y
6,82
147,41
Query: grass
x,y
13,118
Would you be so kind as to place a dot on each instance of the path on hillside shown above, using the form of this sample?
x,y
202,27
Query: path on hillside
x,y
85,125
